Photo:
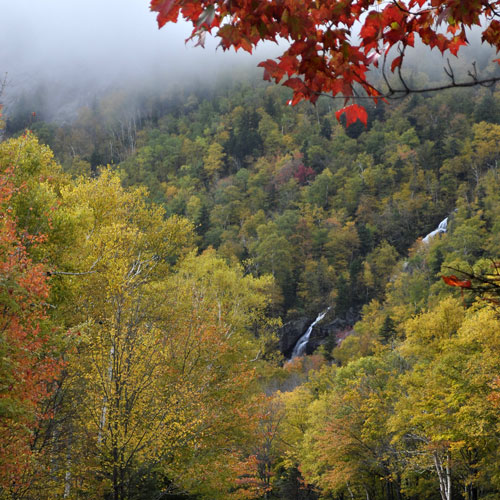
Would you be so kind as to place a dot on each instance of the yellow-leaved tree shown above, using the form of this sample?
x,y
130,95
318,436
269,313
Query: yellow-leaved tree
x,y
113,403
165,359
218,335
445,423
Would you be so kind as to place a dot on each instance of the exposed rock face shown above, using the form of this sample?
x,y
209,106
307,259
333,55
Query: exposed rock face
x,y
332,331
329,331
291,332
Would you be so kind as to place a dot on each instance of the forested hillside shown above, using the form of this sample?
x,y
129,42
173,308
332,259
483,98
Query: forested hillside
x,y
152,249
287,190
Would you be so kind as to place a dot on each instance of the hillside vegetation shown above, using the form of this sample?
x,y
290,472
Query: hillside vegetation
x,y
154,247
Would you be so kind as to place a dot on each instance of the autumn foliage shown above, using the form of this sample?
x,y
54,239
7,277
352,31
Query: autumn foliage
x,y
452,280
27,365
326,55
173,385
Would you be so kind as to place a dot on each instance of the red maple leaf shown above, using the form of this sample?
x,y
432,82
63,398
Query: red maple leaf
x,y
165,11
352,113
452,280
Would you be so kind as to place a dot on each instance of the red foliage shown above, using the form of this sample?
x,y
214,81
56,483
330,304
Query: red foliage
x,y
325,54
293,168
27,366
353,113
303,174
452,280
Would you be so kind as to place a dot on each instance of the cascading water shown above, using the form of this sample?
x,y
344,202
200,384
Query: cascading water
x,y
443,226
300,346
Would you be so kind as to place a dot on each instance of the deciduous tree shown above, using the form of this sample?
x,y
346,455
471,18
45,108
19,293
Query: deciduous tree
x,y
28,356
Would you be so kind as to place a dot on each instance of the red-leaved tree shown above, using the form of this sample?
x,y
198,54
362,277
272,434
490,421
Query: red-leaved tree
x,y
333,44
27,364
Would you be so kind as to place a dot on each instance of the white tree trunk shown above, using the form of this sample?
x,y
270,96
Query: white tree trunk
x,y
444,475
104,410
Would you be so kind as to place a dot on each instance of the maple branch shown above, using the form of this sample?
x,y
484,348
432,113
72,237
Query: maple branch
x,y
481,278
400,75
384,74
495,13
473,73
484,283
403,9
401,93
449,71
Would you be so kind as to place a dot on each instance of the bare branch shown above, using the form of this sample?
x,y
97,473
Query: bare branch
x,y
401,93
449,72
403,9
70,273
401,51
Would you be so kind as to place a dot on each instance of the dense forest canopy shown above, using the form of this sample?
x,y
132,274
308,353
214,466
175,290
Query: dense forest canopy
x,y
155,250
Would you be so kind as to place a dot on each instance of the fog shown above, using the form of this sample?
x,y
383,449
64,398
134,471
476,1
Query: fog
x,y
73,50
65,53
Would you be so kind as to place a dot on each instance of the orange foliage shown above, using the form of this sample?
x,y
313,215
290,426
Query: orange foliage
x,y
452,280
27,367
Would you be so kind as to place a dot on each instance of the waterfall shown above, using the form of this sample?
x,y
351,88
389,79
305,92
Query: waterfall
x,y
300,346
443,226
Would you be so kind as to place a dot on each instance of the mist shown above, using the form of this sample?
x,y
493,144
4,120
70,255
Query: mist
x,y
60,55
72,51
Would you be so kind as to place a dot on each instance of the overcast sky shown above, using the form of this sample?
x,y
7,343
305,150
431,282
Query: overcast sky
x,y
80,48
98,43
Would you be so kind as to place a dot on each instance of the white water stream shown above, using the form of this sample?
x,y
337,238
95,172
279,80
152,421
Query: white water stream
x,y
300,346
443,226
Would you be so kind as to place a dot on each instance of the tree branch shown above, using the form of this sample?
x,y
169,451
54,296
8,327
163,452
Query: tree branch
x,y
70,273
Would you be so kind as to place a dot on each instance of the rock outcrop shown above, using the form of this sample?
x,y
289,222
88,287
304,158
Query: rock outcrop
x,y
329,331
291,332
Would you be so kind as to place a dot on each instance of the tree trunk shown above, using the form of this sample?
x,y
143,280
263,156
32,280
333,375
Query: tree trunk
x,y
444,475
350,491
472,493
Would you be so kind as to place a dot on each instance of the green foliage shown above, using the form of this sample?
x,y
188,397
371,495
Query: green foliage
x,y
226,213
